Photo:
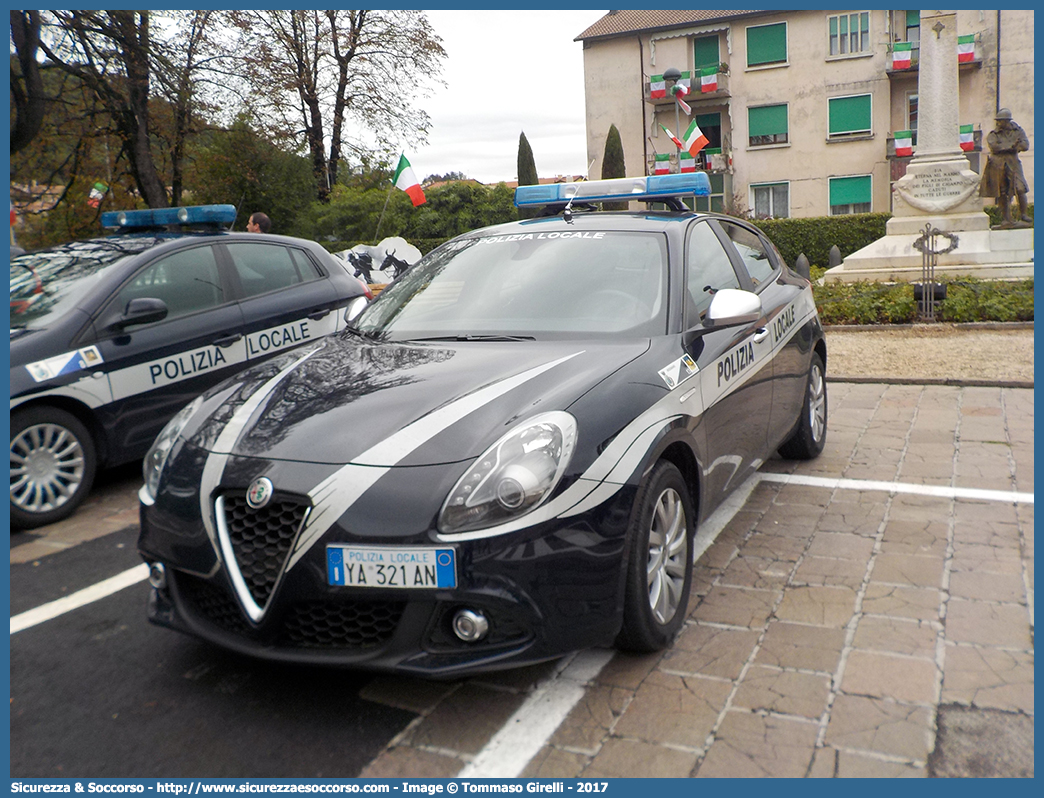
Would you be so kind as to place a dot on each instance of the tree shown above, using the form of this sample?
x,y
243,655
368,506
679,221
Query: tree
x,y
352,75
613,165
27,91
527,173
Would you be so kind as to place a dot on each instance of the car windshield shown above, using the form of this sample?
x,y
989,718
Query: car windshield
x,y
529,285
46,284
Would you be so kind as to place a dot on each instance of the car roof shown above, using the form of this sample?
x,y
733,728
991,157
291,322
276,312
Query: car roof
x,y
627,221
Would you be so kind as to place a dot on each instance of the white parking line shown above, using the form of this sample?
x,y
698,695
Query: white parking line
x,y
80,598
902,487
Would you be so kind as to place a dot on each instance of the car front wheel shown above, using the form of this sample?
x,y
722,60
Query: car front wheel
x,y
53,462
659,576
809,437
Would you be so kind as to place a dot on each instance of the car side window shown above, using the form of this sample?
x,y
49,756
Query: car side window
x,y
187,281
709,270
269,267
753,251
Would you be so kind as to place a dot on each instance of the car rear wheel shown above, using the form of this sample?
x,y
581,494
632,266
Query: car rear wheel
x,y
659,575
53,462
809,437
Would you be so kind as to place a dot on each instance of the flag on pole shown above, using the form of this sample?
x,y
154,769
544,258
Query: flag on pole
x,y
686,163
904,143
967,138
680,91
902,52
685,81
709,79
97,193
965,48
657,87
673,138
662,164
694,139
406,180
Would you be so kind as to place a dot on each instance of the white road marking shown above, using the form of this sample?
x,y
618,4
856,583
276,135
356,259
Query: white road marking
x,y
941,491
80,598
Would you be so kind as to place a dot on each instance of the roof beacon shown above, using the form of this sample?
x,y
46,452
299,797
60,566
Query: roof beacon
x,y
654,188
213,215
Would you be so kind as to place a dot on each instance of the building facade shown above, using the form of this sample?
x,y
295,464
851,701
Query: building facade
x,y
801,109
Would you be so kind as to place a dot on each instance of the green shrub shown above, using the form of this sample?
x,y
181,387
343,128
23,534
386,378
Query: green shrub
x,y
969,300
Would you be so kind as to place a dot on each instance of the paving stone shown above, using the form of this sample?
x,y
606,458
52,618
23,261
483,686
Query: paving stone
x,y
884,727
908,569
455,726
710,651
553,763
748,608
792,645
774,546
785,692
750,745
982,743
976,513
674,710
591,720
986,559
832,763
862,518
415,695
925,538
405,762
913,507
902,602
898,635
845,546
759,572
830,571
1007,588
820,606
988,624
879,675
988,677
627,670
634,759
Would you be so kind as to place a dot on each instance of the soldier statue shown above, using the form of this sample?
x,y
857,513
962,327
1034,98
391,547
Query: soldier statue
x,y
1003,174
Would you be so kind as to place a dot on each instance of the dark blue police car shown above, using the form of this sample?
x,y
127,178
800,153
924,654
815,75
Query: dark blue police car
x,y
505,457
110,337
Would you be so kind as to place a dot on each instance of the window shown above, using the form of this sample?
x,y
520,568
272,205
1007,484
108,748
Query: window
x,y
850,33
187,281
771,200
911,114
767,44
753,251
269,267
767,124
715,203
850,116
705,52
913,28
709,270
850,195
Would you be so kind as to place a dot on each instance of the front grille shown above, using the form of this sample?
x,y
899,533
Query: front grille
x,y
212,603
358,625
262,539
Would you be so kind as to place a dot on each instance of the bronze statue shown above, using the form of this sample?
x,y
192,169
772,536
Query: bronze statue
x,y
1003,174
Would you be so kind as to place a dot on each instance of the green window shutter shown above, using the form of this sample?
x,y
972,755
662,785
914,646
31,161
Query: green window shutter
x,y
850,114
850,190
767,44
705,52
708,120
767,120
913,19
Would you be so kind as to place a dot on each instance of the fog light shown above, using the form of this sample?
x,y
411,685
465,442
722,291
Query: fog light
x,y
470,626
157,575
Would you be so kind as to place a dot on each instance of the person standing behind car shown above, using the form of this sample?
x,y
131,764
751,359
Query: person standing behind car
x,y
259,223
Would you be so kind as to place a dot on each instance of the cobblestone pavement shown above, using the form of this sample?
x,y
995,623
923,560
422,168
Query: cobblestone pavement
x,y
833,624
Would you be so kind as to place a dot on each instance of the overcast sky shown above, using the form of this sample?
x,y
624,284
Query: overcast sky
x,y
507,72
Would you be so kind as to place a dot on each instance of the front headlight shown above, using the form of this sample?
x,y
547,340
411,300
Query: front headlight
x,y
156,458
513,476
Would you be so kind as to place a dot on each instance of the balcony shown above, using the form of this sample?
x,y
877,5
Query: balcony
x,y
695,95
974,62
709,159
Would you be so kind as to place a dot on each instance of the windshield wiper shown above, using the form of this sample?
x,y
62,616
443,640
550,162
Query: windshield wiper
x,y
486,337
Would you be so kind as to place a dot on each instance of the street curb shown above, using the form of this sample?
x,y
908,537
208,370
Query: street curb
x,y
944,381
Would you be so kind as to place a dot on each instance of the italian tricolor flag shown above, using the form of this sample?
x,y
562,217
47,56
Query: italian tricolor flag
x,y
657,87
407,181
662,164
965,48
709,79
694,139
687,163
686,81
904,143
901,54
967,138
97,194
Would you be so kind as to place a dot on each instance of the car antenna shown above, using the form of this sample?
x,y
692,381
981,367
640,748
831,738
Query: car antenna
x,y
567,212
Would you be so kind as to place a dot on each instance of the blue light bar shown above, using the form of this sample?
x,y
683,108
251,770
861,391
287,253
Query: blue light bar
x,y
642,189
162,217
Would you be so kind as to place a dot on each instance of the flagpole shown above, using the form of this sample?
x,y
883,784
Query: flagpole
x,y
381,217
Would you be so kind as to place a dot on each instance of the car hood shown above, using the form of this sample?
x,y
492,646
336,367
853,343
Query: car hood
x,y
408,404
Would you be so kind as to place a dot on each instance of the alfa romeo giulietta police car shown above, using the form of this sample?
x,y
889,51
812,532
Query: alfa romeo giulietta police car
x,y
110,337
505,457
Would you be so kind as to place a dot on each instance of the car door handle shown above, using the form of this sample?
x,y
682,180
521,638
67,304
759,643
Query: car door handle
x,y
761,335
228,340
319,314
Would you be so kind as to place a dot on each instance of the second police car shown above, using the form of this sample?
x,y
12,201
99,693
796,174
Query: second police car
x,y
111,336
505,458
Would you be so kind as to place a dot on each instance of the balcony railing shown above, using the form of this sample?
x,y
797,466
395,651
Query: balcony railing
x,y
695,92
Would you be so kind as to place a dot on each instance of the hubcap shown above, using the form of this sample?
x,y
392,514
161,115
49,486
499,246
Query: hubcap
x,y
668,555
817,403
46,467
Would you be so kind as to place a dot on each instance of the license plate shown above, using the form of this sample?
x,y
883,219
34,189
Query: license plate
x,y
363,566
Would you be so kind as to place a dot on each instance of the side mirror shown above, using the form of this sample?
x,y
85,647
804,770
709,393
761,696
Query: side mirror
x,y
143,310
355,307
732,307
